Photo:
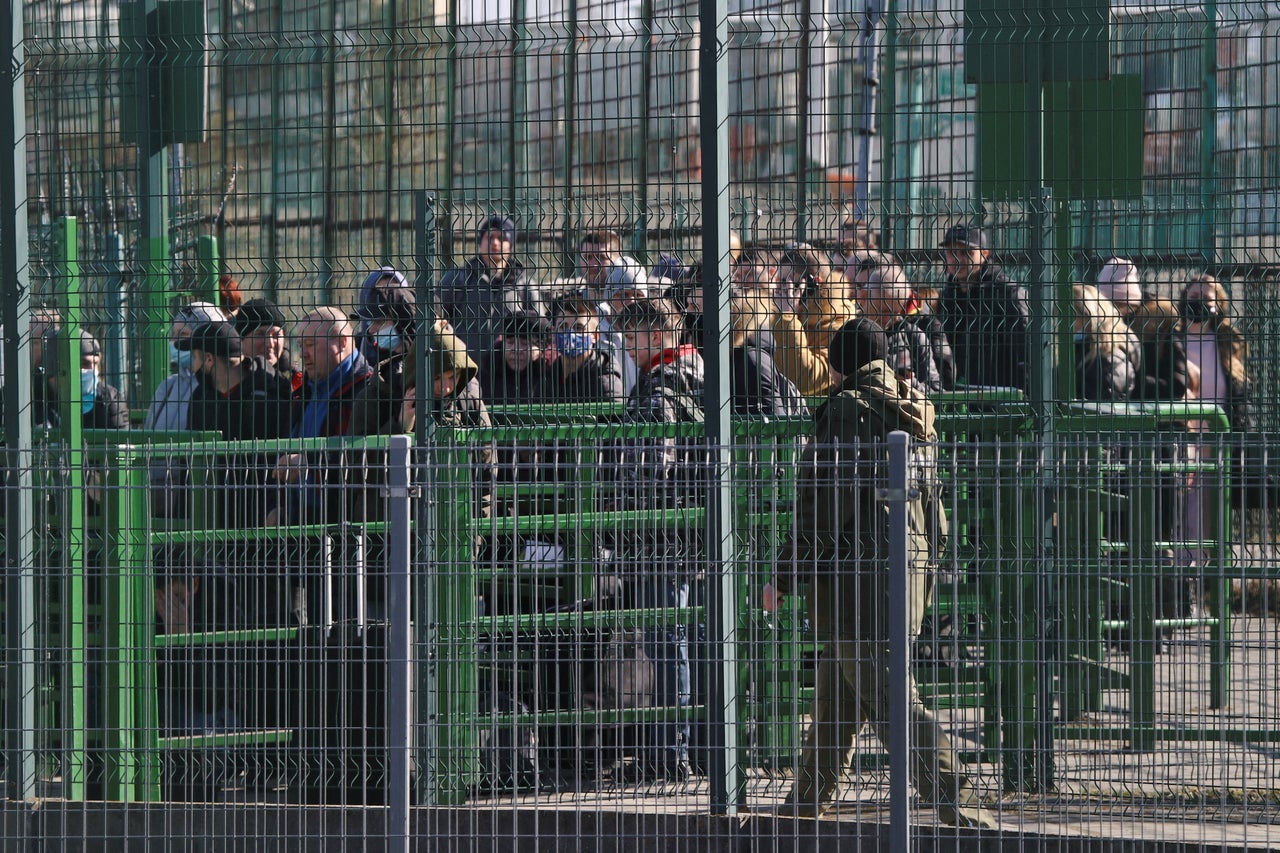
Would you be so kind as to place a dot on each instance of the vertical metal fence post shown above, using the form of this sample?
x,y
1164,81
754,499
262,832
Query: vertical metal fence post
x,y
19,589
71,622
153,195
721,613
869,59
899,647
115,344
399,645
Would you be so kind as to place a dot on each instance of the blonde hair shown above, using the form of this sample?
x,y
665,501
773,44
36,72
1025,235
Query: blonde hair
x,y
1101,320
1232,349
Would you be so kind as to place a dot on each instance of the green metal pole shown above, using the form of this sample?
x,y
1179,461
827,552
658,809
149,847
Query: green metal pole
x,y
569,230
517,135
889,125
444,213
15,313
67,283
727,791
640,151
130,724
389,125
803,101
328,239
278,147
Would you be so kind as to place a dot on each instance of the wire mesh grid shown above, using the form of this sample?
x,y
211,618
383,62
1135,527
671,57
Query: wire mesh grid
x,y
641,557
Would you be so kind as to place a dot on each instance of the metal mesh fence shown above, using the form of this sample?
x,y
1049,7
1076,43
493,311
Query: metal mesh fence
x,y
649,309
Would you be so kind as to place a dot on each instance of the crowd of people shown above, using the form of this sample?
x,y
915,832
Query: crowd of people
x,y
620,333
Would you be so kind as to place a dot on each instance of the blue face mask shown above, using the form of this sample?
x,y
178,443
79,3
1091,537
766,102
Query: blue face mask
x,y
88,390
182,358
1079,337
575,344
387,340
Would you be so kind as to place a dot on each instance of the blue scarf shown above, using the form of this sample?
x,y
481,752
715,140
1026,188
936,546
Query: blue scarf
x,y
311,425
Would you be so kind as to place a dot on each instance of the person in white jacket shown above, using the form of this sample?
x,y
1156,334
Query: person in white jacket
x,y
169,404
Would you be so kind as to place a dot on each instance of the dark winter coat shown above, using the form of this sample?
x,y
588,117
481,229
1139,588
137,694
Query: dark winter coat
x,y
1113,376
597,380
911,355
475,300
987,321
759,388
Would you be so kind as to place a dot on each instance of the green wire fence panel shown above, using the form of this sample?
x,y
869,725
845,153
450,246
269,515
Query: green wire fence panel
x,y
609,264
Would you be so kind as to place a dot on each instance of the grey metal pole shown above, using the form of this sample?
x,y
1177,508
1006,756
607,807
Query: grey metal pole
x,y
19,648
899,646
721,612
869,59
399,645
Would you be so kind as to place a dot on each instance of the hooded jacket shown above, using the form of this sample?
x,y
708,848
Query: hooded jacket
x,y
841,525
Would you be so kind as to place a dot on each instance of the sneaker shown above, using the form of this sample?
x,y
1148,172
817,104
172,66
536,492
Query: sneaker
x,y
968,817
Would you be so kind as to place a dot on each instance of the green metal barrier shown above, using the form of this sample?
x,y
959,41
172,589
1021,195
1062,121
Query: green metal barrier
x,y
124,751
1108,516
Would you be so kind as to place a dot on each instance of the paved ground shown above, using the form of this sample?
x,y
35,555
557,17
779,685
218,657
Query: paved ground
x,y
1222,789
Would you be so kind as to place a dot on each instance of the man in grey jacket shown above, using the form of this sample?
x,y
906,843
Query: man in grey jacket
x,y
488,287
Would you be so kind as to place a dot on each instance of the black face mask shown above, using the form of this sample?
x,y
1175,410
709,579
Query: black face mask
x,y
1199,311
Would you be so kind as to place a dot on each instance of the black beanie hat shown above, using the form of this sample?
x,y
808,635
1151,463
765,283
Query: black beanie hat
x,y
859,342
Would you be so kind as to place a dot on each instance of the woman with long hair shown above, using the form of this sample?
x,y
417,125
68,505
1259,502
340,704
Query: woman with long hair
x,y
1108,357
1217,349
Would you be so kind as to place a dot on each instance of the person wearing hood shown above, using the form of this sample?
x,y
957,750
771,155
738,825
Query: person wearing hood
x,y
390,320
491,285
812,304
1118,282
840,545
170,404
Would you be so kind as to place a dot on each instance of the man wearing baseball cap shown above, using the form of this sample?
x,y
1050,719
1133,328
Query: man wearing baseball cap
x,y
983,312
236,396
491,285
